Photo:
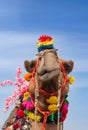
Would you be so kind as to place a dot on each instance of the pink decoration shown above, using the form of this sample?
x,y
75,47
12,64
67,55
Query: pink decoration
x,y
64,111
65,108
16,125
22,107
28,105
22,85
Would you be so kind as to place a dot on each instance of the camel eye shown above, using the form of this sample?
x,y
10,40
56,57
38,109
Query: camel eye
x,y
40,57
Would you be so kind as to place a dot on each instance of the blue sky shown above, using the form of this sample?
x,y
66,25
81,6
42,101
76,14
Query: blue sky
x,y
22,22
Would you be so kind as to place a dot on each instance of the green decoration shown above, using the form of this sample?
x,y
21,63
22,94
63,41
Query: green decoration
x,y
52,117
26,112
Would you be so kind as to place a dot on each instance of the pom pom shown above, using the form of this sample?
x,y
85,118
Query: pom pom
x,y
52,100
16,125
33,117
28,76
20,113
44,38
64,111
71,79
26,112
63,118
38,118
28,105
52,117
22,107
52,108
26,96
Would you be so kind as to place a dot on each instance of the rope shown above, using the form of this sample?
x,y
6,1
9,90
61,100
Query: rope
x,y
36,101
38,89
43,91
45,113
59,96
36,93
61,126
64,74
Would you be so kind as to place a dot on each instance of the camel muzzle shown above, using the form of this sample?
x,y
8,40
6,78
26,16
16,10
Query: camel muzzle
x,y
46,75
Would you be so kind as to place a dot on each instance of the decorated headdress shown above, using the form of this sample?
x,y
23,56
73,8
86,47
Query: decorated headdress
x,y
45,42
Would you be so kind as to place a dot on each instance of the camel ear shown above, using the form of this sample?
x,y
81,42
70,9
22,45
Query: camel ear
x,y
29,65
68,65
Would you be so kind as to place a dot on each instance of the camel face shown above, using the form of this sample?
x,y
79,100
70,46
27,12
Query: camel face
x,y
48,66
49,71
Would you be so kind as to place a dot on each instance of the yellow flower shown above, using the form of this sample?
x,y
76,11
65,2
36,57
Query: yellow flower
x,y
52,108
71,79
26,96
38,118
52,100
33,117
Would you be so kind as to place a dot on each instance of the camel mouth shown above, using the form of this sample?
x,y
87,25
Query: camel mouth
x,y
46,76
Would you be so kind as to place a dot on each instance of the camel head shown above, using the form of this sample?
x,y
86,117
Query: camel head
x,y
48,65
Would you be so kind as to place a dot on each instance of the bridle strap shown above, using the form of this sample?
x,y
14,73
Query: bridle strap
x,y
47,113
43,91
64,74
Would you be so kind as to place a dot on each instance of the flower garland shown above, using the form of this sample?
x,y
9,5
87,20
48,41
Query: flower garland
x,y
22,86
53,100
28,107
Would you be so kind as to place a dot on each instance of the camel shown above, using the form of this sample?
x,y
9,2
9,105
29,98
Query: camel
x,y
50,77
48,89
